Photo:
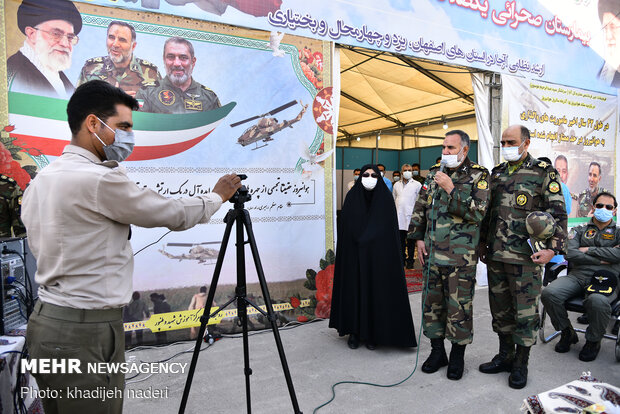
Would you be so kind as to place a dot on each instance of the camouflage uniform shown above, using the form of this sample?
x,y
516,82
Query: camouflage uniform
x,y
419,179
10,208
584,199
514,280
131,78
449,224
165,98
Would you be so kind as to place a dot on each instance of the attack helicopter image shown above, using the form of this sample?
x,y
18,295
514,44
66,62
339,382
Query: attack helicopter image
x,y
267,126
204,255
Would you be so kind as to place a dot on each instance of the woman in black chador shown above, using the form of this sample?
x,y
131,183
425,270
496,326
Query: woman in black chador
x,y
369,300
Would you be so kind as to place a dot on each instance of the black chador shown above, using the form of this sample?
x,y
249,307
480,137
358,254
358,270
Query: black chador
x,y
370,301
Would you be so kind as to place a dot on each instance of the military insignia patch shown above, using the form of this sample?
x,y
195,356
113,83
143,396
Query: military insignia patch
x,y
552,175
430,199
590,234
521,199
193,105
166,97
482,185
543,164
607,236
554,187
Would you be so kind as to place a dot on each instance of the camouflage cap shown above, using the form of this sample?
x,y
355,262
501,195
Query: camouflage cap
x,y
540,225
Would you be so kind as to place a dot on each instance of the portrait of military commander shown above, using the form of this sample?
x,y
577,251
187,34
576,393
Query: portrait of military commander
x,y
51,28
609,15
178,92
121,68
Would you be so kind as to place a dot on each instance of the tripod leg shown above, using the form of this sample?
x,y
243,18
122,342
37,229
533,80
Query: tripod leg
x,y
242,307
207,310
270,313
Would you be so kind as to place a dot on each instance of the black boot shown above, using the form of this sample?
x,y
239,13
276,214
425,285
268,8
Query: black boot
x,y
590,351
437,358
457,363
502,362
354,341
518,376
569,337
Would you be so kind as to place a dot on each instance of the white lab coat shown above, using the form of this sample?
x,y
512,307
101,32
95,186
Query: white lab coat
x,y
405,196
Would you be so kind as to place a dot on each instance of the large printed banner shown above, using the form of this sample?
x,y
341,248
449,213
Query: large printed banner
x,y
541,39
576,129
214,100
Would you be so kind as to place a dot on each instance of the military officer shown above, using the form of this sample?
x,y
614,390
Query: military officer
x,y
178,92
446,227
584,199
593,251
519,186
121,67
10,207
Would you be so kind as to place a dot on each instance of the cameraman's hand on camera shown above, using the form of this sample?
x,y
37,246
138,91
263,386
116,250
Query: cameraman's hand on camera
x,y
227,186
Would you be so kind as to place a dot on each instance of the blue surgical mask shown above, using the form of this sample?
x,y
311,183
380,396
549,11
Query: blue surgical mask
x,y
122,146
603,215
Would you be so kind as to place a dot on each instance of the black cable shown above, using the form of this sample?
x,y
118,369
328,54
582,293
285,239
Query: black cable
x,y
156,241
30,303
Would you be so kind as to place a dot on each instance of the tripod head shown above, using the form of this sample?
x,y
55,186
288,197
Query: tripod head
x,y
241,195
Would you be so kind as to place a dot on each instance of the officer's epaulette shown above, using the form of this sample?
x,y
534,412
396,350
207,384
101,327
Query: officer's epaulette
x,y
145,63
477,166
6,179
150,84
435,166
500,166
94,60
205,88
543,164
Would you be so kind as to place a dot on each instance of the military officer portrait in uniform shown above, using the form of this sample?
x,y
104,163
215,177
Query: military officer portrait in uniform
x,y
584,199
121,67
446,226
51,28
519,186
178,92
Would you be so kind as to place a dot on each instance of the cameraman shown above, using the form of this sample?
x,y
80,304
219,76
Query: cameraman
x,y
77,213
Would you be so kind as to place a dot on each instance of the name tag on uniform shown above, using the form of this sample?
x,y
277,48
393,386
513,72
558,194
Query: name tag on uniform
x,y
193,105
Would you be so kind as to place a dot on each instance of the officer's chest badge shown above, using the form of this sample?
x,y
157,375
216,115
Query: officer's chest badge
x,y
483,185
521,199
166,97
554,187
193,105
429,200
552,175
590,234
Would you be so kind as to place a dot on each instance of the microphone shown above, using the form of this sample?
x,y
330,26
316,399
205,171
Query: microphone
x,y
442,165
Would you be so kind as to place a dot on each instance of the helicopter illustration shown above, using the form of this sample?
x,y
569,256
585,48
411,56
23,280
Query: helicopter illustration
x,y
267,126
204,255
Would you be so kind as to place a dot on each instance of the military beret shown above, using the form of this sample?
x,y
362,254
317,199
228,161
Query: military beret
x,y
32,12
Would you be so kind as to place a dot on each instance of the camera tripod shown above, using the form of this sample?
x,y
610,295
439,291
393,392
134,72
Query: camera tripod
x,y
241,217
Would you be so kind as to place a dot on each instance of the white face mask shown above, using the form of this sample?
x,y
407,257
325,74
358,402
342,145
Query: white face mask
x,y
451,160
396,178
415,172
369,183
407,175
511,153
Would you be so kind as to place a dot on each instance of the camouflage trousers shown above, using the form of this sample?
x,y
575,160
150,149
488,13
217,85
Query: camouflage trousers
x,y
514,292
448,306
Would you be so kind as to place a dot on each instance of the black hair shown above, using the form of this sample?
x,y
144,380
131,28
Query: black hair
x,y
415,165
525,134
127,25
98,98
135,295
598,165
464,137
381,165
605,193
357,169
203,289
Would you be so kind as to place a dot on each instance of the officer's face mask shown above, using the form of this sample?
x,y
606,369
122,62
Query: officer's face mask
x,y
512,153
122,146
603,215
452,160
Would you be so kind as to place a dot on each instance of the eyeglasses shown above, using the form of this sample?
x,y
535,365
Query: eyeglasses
x,y
57,35
607,206
373,175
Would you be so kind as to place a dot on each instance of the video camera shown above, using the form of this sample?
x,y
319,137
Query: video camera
x,y
241,195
